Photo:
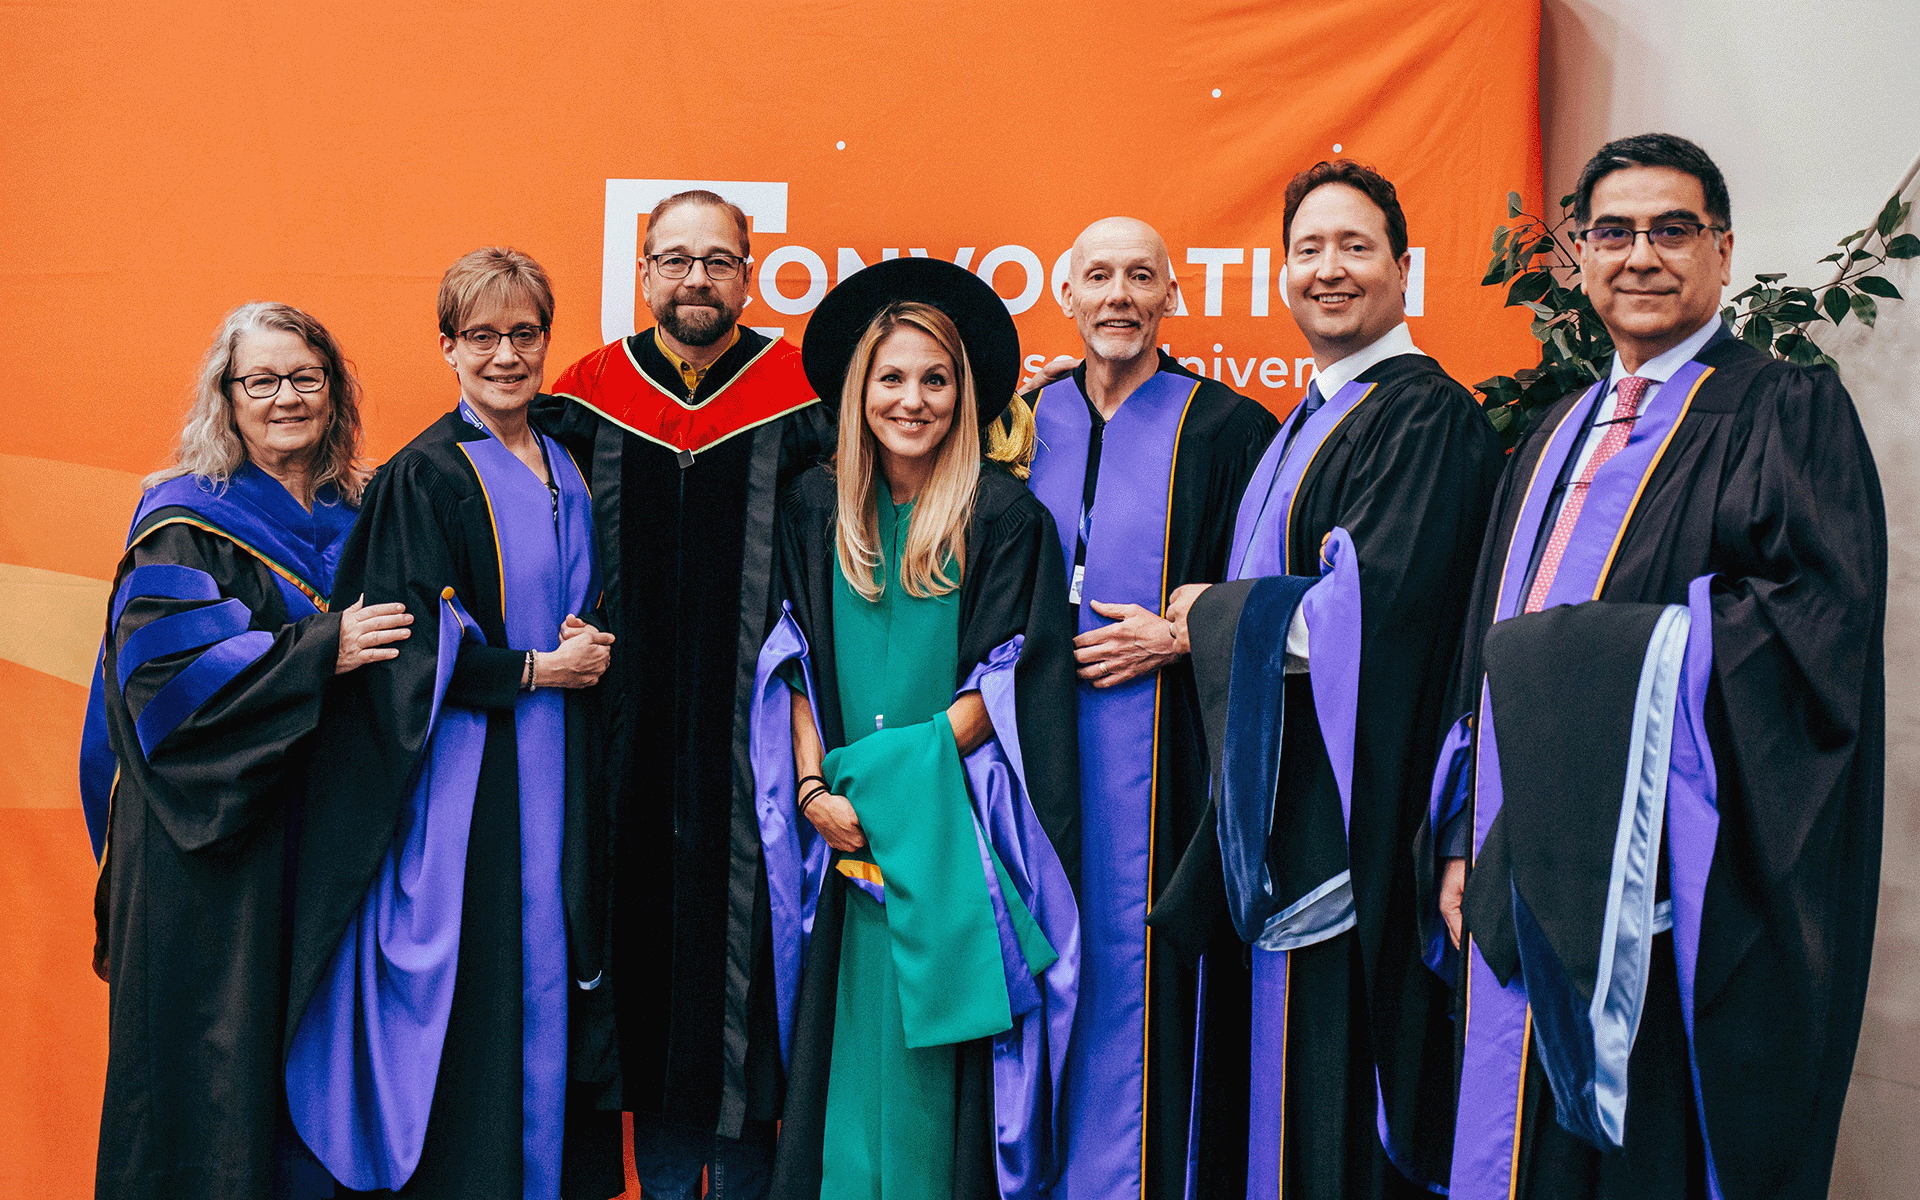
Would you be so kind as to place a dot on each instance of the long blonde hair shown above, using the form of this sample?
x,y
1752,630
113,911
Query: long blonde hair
x,y
1012,438
210,444
944,507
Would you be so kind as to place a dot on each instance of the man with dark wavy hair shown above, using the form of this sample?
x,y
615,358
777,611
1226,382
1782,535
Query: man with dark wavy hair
x,y
1320,665
1658,818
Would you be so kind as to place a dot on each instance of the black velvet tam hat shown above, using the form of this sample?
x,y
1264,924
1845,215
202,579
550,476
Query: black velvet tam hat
x,y
986,329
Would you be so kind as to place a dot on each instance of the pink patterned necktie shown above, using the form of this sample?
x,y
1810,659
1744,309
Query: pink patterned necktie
x,y
1626,406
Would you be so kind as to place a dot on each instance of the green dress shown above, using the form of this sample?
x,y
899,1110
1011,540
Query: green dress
x,y
924,971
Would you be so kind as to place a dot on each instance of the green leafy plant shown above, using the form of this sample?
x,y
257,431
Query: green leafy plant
x,y
1538,262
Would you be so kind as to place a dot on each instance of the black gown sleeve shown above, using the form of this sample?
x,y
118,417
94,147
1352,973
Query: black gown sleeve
x,y
803,565
1237,447
1235,450
1796,719
402,549
486,676
225,759
375,727
1798,610
1017,585
1414,498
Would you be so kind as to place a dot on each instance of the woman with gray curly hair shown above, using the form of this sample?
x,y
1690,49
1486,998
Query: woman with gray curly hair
x,y
220,642
451,1034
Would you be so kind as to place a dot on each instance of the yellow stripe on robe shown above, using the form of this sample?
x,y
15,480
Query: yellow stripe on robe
x,y
855,868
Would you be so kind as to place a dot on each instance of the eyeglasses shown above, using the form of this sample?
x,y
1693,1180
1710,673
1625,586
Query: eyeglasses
x,y
718,266
265,385
1668,235
525,338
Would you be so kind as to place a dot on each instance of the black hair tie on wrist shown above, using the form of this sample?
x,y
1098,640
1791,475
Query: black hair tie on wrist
x,y
819,789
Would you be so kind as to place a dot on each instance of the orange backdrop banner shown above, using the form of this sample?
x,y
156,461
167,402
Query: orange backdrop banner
x,y
167,161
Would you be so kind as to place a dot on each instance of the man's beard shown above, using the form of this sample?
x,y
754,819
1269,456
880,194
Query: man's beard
x,y
700,330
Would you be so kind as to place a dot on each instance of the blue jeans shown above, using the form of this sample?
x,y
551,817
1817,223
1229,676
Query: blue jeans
x,y
668,1159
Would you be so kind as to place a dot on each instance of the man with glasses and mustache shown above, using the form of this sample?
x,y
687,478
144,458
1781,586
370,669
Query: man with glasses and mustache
x,y
688,432
1657,821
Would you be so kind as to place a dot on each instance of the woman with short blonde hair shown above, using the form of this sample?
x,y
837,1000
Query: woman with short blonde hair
x,y
488,278
449,911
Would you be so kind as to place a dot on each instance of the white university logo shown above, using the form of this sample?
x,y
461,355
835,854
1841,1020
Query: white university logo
x,y
765,203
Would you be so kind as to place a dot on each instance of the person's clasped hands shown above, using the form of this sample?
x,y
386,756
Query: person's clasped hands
x,y
579,660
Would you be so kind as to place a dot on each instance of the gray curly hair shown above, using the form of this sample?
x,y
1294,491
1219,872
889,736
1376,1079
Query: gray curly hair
x,y
210,444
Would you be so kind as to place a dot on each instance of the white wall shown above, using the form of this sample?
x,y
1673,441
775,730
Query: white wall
x,y
1810,110
1809,106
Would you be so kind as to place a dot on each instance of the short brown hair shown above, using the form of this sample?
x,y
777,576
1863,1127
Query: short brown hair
x,y
1365,180
698,196
492,275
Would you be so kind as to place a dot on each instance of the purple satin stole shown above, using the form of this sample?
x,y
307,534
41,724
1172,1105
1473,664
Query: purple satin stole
x,y
1265,517
1498,1021
1030,1059
1125,563
1693,827
795,854
1262,547
367,1053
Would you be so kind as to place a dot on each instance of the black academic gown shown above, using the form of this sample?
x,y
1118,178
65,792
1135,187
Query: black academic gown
x,y
1220,441
190,903
686,560
1013,584
1768,482
425,526
1409,474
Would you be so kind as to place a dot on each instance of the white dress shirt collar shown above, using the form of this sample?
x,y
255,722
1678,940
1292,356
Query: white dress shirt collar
x,y
1395,341
1661,367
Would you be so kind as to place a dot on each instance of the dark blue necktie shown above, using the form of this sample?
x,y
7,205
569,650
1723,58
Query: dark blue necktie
x,y
1308,406
1312,403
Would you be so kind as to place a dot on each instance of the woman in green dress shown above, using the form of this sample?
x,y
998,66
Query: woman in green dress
x,y
920,822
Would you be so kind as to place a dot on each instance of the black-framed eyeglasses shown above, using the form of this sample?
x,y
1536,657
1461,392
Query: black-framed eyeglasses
x,y
1667,235
717,266
525,338
265,385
